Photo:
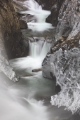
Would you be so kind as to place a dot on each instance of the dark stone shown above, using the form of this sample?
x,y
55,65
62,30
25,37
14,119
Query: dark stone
x,y
53,77
36,70
23,24
75,116
10,28
57,89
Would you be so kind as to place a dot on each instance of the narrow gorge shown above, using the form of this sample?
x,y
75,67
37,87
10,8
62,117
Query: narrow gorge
x,y
40,59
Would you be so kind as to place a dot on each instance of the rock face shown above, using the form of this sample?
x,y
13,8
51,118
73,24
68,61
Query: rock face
x,y
10,30
23,25
4,64
63,60
68,31
69,19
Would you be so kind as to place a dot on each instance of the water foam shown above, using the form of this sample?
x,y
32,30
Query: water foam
x,y
37,53
40,15
11,106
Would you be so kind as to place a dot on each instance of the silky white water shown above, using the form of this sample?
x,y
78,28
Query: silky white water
x,y
26,98
12,107
35,86
39,14
38,51
17,100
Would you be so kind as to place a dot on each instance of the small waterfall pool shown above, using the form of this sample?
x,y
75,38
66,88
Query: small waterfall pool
x,y
29,98
18,101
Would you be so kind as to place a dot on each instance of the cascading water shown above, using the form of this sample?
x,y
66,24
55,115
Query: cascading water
x,y
34,86
38,51
22,100
40,15
20,95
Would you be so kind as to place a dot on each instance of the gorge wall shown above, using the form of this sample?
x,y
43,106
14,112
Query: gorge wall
x,y
63,59
10,26
68,29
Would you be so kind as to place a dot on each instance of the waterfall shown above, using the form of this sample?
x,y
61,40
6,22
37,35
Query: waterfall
x,y
35,48
40,15
38,51
25,99
45,49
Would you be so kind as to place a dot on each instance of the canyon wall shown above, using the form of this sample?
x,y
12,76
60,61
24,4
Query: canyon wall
x,y
10,30
63,60
67,32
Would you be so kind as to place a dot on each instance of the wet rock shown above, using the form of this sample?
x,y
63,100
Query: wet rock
x,y
46,67
65,45
63,60
67,33
44,34
57,89
10,29
37,70
23,24
5,68
53,18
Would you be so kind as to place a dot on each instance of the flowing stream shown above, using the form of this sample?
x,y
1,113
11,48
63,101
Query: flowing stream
x,y
29,98
37,23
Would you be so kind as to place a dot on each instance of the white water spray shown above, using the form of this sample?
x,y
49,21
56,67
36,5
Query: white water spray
x,y
15,103
38,51
40,15
13,107
17,99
